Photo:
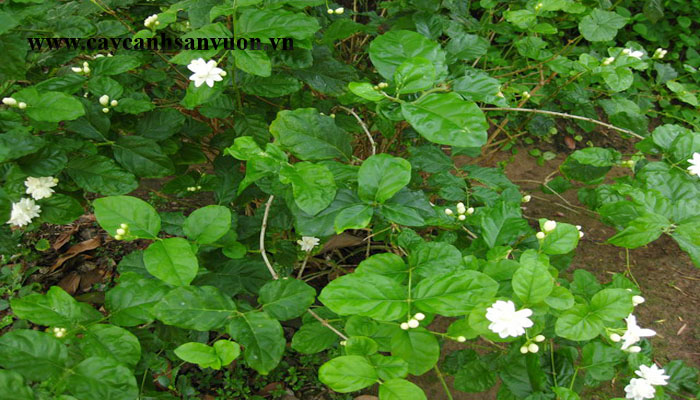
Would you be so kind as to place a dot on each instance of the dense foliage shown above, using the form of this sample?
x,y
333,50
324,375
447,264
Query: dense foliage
x,y
373,123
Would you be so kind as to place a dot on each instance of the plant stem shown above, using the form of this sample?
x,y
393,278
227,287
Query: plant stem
x,y
364,127
444,384
262,238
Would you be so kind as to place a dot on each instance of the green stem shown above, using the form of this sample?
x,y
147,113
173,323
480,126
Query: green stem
x,y
573,380
444,384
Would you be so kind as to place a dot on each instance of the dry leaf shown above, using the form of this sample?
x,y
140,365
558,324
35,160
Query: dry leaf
x,y
570,142
340,241
70,282
90,278
64,237
366,397
75,250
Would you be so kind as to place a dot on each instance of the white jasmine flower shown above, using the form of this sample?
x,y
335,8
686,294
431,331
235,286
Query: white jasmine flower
x,y
404,326
637,300
9,101
104,100
151,21
549,226
339,10
653,374
23,212
114,103
694,168
638,54
448,211
470,210
413,323
539,338
461,339
615,337
22,105
205,72
533,348
40,188
419,316
639,389
608,61
308,243
506,321
634,333
539,235
527,198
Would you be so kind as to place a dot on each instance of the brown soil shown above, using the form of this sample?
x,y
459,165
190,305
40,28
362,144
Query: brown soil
x,y
666,276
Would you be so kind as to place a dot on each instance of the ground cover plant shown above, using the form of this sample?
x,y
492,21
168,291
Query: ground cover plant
x,y
316,205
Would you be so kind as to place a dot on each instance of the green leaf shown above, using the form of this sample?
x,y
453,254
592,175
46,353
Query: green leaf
x,y
102,378
14,387
131,302
353,217
111,212
601,25
55,308
389,367
431,258
612,304
414,75
101,175
560,298
565,394
200,354
391,49
563,239
310,136
277,85
35,355
313,338
313,185
227,351
453,294
445,118
387,264
60,209
618,79
381,176
50,106
172,261
365,90
532,283
369,295
17,143
653,10
201,308
597,156
360,346
418,347
600,360
262,338
160,124
400,389
116,65
477,86
642,230
279,23
107,341
579,324
286,298
208,224
347,374
143,157
253,62
474,376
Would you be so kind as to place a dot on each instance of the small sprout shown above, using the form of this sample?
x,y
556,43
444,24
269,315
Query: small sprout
x,y
533,348
549,226
404,326
419,316
540,235
539,338
413,323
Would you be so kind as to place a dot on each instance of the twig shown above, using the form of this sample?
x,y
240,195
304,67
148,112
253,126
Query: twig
x,y
262,238
564,115
364,127
303,265
327,325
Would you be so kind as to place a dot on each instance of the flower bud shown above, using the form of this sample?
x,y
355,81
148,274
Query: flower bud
x,y
526,95
470,210
539,235
339,10
461,209
113,103
86,65
383,85
413,323
461,339
539,338
330,11
615,337
608,61
524,350
419,316
549,226
118,237
533,348
634,349
105,110
448,211
22,105
332,115
637,300
121,231
404,325
77,70
9,101
124,226
104,100
86,70
343,342
578,227
527,198
462,217
580,234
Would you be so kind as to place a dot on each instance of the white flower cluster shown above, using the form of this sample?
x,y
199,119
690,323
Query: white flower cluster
x,y
205,71
122,231
659,53
85,69
26,209
462,211
104,101
608,60
633,334
308,243
380,85
530,346
10,102
549,226
338,11
638,54
506,321
643,387
59,332
151,22
414,322
694,168
194,188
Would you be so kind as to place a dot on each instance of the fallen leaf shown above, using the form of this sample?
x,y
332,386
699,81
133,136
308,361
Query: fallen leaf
x,y
70,282
90,278
570,143
366,397
76,249
340,241
64,237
